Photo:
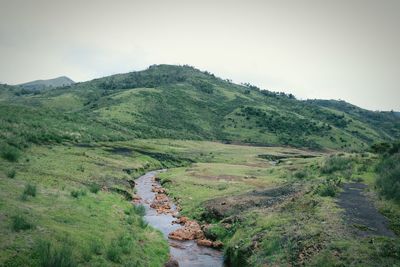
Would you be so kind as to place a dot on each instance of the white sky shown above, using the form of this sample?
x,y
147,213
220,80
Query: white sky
x,y
337,49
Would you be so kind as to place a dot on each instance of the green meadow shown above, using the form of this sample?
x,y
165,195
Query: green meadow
x,y
268,175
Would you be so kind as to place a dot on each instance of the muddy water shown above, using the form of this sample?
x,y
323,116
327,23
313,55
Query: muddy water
x,y
187,253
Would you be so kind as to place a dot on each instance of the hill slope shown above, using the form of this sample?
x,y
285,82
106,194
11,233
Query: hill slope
x,y
41,84
181,102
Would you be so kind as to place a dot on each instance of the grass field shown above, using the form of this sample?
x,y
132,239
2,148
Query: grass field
x,y
269,205
84,224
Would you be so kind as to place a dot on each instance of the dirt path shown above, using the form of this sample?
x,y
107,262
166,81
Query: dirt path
x,y
361,213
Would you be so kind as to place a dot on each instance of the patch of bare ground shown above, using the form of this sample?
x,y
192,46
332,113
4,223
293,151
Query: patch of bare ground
x,y
361,214
216,177
223,207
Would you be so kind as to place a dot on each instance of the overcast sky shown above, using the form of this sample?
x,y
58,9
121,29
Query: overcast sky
x,y
347,49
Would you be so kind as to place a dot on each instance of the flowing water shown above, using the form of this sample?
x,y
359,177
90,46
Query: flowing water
x,y
187,253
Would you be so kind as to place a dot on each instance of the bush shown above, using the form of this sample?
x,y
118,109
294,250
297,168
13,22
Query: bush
x,y
30,190
336,163
137,209
19,223
388,181
10,153
96,247
94,188
142,223
125,242
217,232
122,245
329,187
51,256
300,175
114,253
78,193
11,173
222,187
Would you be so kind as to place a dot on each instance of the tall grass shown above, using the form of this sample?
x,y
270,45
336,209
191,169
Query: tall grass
x,y
29,190
335,163
388,181
54,256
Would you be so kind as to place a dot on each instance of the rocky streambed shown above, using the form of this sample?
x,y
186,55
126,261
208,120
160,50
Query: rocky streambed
x,y
188,245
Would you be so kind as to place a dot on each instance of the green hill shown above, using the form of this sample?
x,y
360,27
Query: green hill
x,y
52,83
181,102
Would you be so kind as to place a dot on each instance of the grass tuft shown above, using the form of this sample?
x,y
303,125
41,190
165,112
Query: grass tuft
x,y
51,256
78,193
10,153
11,173
94,188
20,223
29,190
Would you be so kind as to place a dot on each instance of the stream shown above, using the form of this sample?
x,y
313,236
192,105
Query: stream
x,y
187,253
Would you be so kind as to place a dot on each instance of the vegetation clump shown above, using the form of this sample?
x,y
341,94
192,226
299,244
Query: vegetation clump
x,y
336,164
20,223
78,193
10,153
29,191
50,255
329,187
388,180
94,188
119,247
11,173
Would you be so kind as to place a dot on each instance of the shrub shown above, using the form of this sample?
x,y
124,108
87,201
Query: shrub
x,y
114,253
51,256
23,197
336,163
81,168
29,190
86,254
10,153
94,188
78,193
19,223
222,187
122,245
96,247
125,242
300,174
165,181
217,232
130,220
329,187
142,223
139,210
11,173
388,181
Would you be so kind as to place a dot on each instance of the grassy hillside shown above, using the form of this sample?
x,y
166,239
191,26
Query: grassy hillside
x,y
70,206
181,102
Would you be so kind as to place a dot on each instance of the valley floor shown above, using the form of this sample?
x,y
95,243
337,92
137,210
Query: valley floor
x,y
268,205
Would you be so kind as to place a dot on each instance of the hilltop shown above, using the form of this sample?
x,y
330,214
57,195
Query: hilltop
x,y
52,83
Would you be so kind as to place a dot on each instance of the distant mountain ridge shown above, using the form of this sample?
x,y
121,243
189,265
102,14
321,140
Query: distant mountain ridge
x,y
41,84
